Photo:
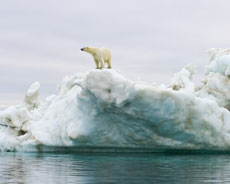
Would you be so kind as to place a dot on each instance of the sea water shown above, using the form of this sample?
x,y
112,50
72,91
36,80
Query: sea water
x,y
80,168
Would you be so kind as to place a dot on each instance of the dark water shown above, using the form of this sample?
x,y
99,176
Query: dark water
x,y
113,168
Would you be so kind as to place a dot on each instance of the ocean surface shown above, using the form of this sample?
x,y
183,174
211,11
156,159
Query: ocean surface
x,y
80,168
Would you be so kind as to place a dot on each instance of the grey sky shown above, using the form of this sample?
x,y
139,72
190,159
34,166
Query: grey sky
x,y
40,40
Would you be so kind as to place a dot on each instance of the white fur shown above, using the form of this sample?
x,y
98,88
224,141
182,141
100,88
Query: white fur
x,y
100,55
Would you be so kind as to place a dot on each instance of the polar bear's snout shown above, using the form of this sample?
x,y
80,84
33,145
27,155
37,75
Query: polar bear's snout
x,y
82,49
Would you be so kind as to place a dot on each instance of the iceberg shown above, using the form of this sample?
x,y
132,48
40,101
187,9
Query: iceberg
x,y
103,109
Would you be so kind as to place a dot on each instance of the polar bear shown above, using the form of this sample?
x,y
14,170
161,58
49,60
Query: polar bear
x,y
100,56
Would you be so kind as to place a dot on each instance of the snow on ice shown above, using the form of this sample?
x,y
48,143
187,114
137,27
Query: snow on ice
x,y
101,108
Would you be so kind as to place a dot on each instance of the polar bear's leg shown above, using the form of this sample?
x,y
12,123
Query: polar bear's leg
x,y
109,63
97,63
102,63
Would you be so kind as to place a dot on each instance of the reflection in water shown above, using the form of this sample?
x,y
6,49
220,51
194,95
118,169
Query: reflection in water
x,y
114,168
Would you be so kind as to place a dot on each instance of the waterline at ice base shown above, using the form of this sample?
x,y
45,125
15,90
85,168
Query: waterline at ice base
x,y
102,110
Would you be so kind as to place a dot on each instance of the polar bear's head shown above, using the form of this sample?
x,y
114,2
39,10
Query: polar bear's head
x,y
90,50
86,49
83,49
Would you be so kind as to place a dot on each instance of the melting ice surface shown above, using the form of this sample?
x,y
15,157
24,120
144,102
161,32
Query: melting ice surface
x,y
101,108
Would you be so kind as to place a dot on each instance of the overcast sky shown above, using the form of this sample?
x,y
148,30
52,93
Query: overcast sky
x,y
40,40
